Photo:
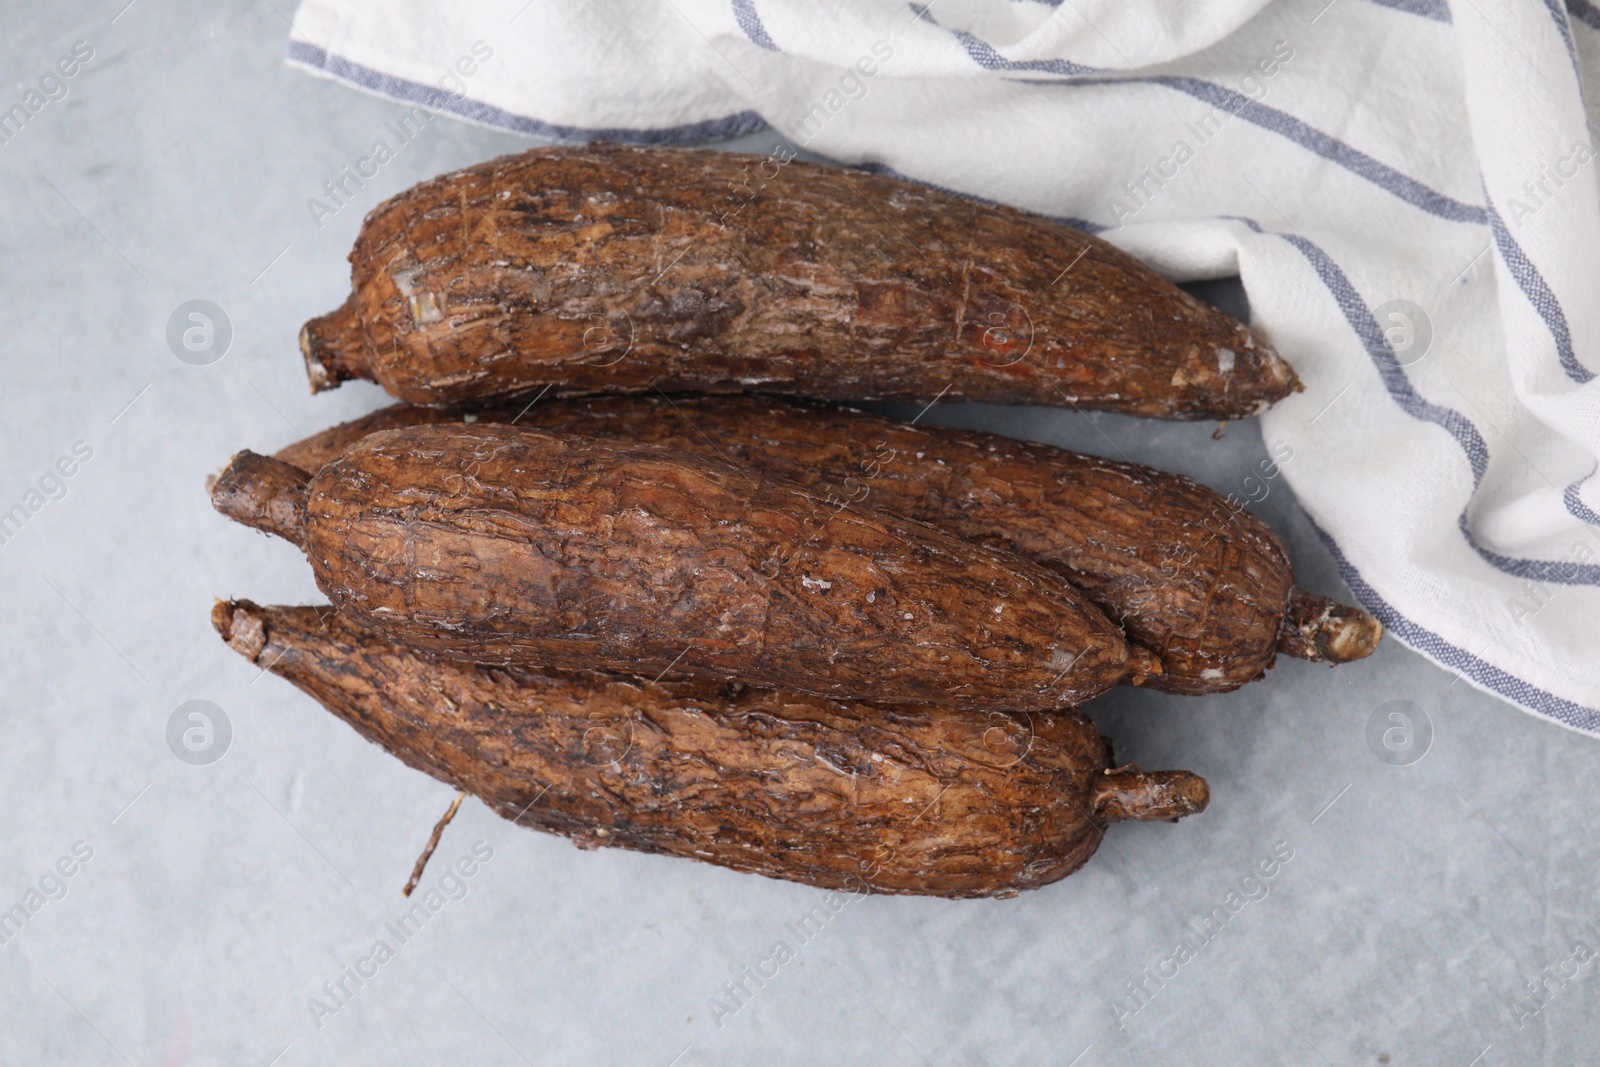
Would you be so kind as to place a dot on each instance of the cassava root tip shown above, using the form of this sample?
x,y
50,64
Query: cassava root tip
x,y
1127,793
1326,631
334,347
265,493
241,625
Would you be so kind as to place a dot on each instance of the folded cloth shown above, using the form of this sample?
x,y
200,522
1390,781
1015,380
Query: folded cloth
x,y
1406,187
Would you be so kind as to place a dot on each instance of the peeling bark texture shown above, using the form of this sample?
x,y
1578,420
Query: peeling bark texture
x,y
843,796
506,546
610,268
1205,585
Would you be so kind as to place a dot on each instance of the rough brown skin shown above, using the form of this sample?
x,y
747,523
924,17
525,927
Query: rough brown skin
x,y
506,546
608,268
844,796
1207,586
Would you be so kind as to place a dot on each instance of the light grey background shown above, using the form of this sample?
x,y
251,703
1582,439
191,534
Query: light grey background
x,y
1413,915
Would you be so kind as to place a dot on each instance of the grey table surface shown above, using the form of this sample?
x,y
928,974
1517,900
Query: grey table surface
x,y
1420,906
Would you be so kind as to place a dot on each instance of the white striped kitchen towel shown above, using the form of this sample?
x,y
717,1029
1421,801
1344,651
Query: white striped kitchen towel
x,y
1407,188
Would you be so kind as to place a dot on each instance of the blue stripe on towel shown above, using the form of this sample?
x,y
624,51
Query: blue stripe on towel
x,y
435,99
1561,572
1539,295
1400,390
989,58
1366,327
1484,674
1437,10
749,20
1584,12
1574,502
1268,118
1558,14
1328,147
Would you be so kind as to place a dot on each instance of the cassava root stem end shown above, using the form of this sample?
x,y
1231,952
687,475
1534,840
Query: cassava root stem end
x,y
1126,793
1325,631
265,493
240,624
334,348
